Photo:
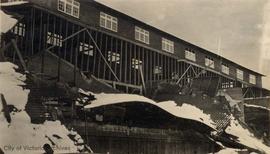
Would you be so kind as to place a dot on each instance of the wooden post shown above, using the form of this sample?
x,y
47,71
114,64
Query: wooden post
x,y
142,78
19,55
102,55
5,108
183,74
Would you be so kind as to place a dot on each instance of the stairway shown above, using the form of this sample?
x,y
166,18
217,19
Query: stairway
x,y
34,107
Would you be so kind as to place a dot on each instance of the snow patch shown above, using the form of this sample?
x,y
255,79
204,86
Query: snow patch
x,y
6,22
245,136
257,106
21,136
13,3
185,111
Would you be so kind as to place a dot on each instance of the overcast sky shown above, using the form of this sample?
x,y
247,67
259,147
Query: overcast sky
x,y
240,24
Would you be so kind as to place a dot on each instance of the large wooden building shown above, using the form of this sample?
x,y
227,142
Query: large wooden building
x,y
121,50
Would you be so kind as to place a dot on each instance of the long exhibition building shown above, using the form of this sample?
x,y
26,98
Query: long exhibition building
x,y
120,50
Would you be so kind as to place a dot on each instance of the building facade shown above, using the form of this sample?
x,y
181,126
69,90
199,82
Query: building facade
x,y
121,50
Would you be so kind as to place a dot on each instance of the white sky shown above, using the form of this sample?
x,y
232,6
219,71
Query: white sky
x,y
241,25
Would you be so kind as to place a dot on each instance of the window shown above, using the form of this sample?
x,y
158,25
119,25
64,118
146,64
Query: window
x,y
252,79
141,35
158,70
239,74
136,63
225,69
167,45
19,29
86,49
190,55
54,39
108,22
114,57
209,62
70,7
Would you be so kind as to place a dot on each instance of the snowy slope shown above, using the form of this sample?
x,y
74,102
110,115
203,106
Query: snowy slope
x,y
245,136
20,133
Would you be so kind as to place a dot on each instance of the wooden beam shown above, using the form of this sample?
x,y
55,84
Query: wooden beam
x,y
101,54
142,78
19,55
183,74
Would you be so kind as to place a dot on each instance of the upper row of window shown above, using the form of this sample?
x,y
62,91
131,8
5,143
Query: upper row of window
x,y
111,23
72,7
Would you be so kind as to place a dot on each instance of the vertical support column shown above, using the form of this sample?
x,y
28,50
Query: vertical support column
x,y
59,51
154,65
140,66
115,63
130,62
126,61
72,44
106,55
83,51
76,55
88,57
32,30
99,57
111,49
121,61
135,70
151,57
65,43
40,30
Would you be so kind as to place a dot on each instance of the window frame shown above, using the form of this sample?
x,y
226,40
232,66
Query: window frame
x,y
225,69
167,45
209,62
239,74
190,55
73,4
114,57
108,19
86,49
142,35
54,39
135,63
252,78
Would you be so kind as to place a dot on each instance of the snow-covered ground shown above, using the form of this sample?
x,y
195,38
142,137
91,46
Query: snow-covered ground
x,y
20,135
245,136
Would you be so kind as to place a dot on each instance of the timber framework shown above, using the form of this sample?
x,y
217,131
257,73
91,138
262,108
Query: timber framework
x,y
118,50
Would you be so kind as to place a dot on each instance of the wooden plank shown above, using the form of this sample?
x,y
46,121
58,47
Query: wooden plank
x,y
126,60
142,78
40,30
5,108
59,53
99,57
102,54
32,30
106,55
76,57
71,49
121,59
19,55
183,74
